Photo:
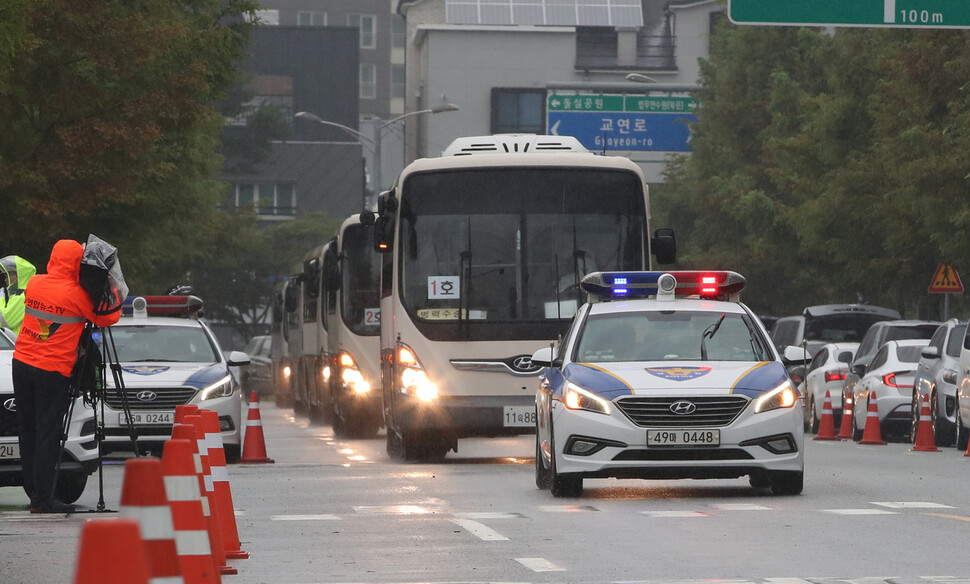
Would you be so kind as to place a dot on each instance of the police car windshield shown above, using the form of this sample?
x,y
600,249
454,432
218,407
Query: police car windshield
x,y
668,336
163,343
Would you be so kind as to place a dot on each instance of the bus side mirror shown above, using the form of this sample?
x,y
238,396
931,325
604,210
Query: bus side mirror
x,y
291,298
383,234
367,218
664,246
331,272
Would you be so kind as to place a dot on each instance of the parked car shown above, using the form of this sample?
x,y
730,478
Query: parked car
x,y
890,377
825,374
936,377
828,323
878,334
258,375
962,422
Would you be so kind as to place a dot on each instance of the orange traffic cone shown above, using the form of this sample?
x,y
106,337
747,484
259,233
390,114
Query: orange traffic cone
x,y
188,518
845,427
215,526
185,410
143,499
925,441
826,428
220,485
872,433
254,447
111,552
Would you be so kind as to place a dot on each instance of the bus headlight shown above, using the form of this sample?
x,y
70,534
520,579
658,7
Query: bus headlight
x,y
414,379
783,396
221,388
287,371
354,379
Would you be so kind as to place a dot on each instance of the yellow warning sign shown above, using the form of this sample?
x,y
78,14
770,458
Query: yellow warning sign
x,y
946,279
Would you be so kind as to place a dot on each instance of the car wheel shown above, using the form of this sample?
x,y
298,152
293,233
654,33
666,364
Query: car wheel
x,y
543,477
339,424
856,431
395,445
962,436
70,486
813,421
940,437
759,480
565,484
914,414
787,482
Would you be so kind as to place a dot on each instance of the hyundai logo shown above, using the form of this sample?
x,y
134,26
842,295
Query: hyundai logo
x,y
146,396
683,408
10,405
524,363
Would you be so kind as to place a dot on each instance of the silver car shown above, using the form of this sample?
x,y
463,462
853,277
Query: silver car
x,y
825,374
936,377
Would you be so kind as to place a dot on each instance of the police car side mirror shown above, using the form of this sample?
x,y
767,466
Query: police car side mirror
x,y
543,358
664,246
237,359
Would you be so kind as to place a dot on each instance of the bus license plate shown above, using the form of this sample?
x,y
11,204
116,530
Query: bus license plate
x,y
519,416
148,418
674,437
9,451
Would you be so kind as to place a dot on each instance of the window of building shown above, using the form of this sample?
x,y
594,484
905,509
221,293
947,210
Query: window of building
x,y
596,47
368,80
367,23
518,110
268,199
397,81
398,32
311,18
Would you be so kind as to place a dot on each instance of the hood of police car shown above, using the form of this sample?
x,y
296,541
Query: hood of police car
x,y
162,374
662,378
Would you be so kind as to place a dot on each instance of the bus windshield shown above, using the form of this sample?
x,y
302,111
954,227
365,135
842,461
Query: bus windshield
x,y
508,246
360,298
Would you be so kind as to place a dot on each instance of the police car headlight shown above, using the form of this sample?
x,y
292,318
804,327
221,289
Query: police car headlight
x,y
578,398
221,388
783,396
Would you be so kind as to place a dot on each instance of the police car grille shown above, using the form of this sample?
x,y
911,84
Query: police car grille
x,y
166,398
655,412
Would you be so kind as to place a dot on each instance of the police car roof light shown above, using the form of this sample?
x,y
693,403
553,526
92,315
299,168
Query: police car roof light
x,y
184,305
712,285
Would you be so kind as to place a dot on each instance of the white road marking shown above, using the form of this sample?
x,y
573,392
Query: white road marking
x,y
392,509
567,508
675,514
539,565
859,512
304,518
488,515
479,530
912,505
740,507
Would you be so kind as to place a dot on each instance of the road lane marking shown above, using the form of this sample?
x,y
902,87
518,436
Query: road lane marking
x,y
392,509
859,512
539,565
740,507
675,514
479,530
304,518
490,515
912,505
567,508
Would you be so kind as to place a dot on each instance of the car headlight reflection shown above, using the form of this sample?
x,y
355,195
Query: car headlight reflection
x,y
577,398
783,396
221,388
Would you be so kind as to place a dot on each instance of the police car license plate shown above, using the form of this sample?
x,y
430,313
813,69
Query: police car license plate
x,y
519,416
148,418
683,437
9,451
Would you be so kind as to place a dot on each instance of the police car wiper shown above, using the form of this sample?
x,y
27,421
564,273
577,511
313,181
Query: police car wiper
x,y
708,334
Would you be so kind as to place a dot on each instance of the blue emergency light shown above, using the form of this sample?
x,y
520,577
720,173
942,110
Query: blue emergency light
x,y
712,285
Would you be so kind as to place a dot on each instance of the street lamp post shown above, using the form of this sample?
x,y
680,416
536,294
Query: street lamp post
x,y
378,136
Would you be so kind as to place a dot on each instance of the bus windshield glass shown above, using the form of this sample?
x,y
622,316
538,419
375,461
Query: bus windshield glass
x,y
508,246
360,269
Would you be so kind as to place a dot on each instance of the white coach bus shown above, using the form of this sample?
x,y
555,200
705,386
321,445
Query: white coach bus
x,y
484,249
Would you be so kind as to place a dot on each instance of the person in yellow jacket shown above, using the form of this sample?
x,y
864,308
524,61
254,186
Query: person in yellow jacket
x,y
56,311
17,271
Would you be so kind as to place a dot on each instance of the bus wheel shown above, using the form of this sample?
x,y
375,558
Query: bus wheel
x,y
395,445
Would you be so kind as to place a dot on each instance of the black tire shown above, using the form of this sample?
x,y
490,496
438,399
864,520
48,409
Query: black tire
x,y
565,484
813,421
962,435
940,436
70,486
395,445
543,476
759,480
784,483
233,453
339,425
915,411
856,431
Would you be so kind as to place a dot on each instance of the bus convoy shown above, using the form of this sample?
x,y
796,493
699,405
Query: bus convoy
x,y
422,316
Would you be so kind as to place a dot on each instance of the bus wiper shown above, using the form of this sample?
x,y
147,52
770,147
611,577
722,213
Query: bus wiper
x,y
709,334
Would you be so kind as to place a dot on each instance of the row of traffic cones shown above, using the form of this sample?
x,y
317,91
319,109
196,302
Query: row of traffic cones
x,y
872,434
178,525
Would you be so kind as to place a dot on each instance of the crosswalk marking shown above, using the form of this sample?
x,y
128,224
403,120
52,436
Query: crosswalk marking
x,y
539,565
479,530
304,518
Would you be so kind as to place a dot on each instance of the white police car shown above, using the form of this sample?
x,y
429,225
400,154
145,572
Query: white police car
x,y
666,376
166,361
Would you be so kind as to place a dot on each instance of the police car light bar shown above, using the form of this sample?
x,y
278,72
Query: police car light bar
x,y
711,285
165,305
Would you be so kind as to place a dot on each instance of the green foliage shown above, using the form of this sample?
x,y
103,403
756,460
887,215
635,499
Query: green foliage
x,y
827,167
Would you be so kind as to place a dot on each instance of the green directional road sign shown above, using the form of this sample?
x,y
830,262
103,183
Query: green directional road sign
x,y
861,13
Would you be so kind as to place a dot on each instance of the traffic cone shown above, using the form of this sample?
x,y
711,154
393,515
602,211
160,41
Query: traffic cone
x,y
925,441
188,518
220,485
872,434
185,410
826,428
143,499
845,427
254,447
208,491
111,552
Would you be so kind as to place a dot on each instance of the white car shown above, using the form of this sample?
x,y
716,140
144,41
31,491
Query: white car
x,y
166,361
666,376
80,455
825,373
936,376
890,377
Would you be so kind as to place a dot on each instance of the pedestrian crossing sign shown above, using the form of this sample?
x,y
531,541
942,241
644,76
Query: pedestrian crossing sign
x,y
946,280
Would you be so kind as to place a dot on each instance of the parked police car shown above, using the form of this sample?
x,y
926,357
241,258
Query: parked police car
x,y
666,376
80,455
168,361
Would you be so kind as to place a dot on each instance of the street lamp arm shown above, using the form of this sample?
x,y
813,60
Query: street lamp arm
x,y
351,131
445,107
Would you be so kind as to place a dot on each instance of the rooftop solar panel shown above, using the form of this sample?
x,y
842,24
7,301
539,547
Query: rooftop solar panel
x,y
545,12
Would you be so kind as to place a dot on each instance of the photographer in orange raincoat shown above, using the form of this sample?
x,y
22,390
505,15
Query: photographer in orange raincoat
x,y
57,308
